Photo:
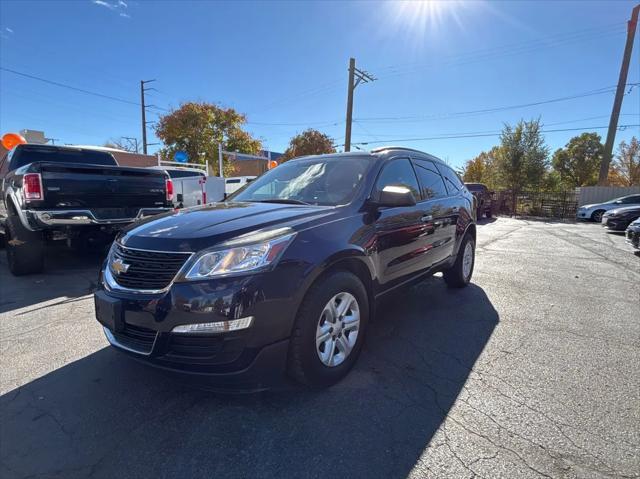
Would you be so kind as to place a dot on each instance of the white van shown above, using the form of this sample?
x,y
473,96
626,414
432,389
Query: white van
x,y
192,188
234,183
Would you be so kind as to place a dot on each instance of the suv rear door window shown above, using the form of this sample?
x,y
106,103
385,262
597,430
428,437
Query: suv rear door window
x,y
432,184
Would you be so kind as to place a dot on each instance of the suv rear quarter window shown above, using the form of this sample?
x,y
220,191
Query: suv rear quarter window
x,y
451,178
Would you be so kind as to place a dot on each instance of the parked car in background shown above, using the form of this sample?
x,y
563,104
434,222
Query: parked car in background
x,y
74,194
286,274
484,199
595,211
620,218
234,183
191,186
633,234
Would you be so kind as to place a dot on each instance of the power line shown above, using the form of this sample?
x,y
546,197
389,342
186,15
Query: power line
x,y
599,91
80,90
377,136
70,87
497,52
319,123
484,134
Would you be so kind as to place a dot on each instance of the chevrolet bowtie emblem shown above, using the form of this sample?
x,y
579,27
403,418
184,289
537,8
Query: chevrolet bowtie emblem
x,y
118,266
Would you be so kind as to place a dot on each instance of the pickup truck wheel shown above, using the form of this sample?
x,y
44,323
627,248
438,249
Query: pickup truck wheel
x,y
459,275
25,248
329,330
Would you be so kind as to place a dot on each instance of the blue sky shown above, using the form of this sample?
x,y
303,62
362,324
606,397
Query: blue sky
x,y
284,64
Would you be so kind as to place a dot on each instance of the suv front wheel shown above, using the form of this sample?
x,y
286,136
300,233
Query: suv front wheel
x,y
329,330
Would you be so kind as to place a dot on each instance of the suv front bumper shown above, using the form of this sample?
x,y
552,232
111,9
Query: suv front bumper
x,y
141,325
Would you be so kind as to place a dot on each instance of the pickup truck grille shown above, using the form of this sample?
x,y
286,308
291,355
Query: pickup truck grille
x,y
147,270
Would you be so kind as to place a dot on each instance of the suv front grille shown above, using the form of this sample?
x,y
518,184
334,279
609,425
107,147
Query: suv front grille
x,y
147,270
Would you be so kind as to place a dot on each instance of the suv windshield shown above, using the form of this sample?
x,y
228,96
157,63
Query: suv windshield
x,y
317,181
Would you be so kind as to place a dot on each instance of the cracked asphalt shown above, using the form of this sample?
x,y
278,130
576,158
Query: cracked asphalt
x,y
532,371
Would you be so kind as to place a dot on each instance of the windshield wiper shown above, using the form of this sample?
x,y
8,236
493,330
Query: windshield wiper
x,y
286,201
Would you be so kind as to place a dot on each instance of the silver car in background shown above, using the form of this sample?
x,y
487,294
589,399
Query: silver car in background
x,y
594,212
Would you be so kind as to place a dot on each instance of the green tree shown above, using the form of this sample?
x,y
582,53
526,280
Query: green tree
x,y
198,128
578,162
522,158
482,168
309,142
625,169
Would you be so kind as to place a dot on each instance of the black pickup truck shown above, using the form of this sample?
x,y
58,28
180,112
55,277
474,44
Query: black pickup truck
x,y
68,193
484,199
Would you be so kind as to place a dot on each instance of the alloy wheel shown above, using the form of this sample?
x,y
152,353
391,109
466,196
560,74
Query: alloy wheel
x,y
337,330
467,260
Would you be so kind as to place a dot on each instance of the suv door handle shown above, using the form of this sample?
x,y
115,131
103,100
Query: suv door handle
x,y
455,209
426,218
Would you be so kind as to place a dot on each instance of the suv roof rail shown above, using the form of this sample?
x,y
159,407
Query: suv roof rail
x,y
404,148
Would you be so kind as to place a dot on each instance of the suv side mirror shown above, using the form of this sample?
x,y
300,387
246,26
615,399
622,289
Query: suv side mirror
x,y
396,195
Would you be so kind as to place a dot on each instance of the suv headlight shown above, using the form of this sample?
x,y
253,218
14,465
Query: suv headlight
x,y
253,252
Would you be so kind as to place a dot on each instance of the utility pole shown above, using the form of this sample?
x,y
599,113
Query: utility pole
x,y
144,113
617,102
362,77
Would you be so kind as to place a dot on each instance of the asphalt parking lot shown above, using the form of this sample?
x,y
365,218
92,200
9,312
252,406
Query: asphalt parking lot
x,y
532,371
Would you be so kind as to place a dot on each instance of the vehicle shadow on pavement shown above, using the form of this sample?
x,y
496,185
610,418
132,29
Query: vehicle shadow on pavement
x,y
108,416
487,221
67,275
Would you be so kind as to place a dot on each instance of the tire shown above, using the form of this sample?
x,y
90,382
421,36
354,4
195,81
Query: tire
x,y
488,214
597,215
25,248
459,274
314,318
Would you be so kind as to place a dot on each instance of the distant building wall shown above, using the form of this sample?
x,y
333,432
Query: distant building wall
x,y
249,167
138,160
254,167
599,194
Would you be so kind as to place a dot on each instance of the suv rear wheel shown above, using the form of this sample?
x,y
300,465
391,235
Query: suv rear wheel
x,y
25,248
329,330
459,274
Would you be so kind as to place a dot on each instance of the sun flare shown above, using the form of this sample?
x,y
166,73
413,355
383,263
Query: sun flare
x,y
423,15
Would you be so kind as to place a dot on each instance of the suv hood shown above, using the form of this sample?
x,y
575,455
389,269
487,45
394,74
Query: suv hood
x,y
201,227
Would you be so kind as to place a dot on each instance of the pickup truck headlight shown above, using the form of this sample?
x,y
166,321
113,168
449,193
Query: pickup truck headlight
x,y
254,252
